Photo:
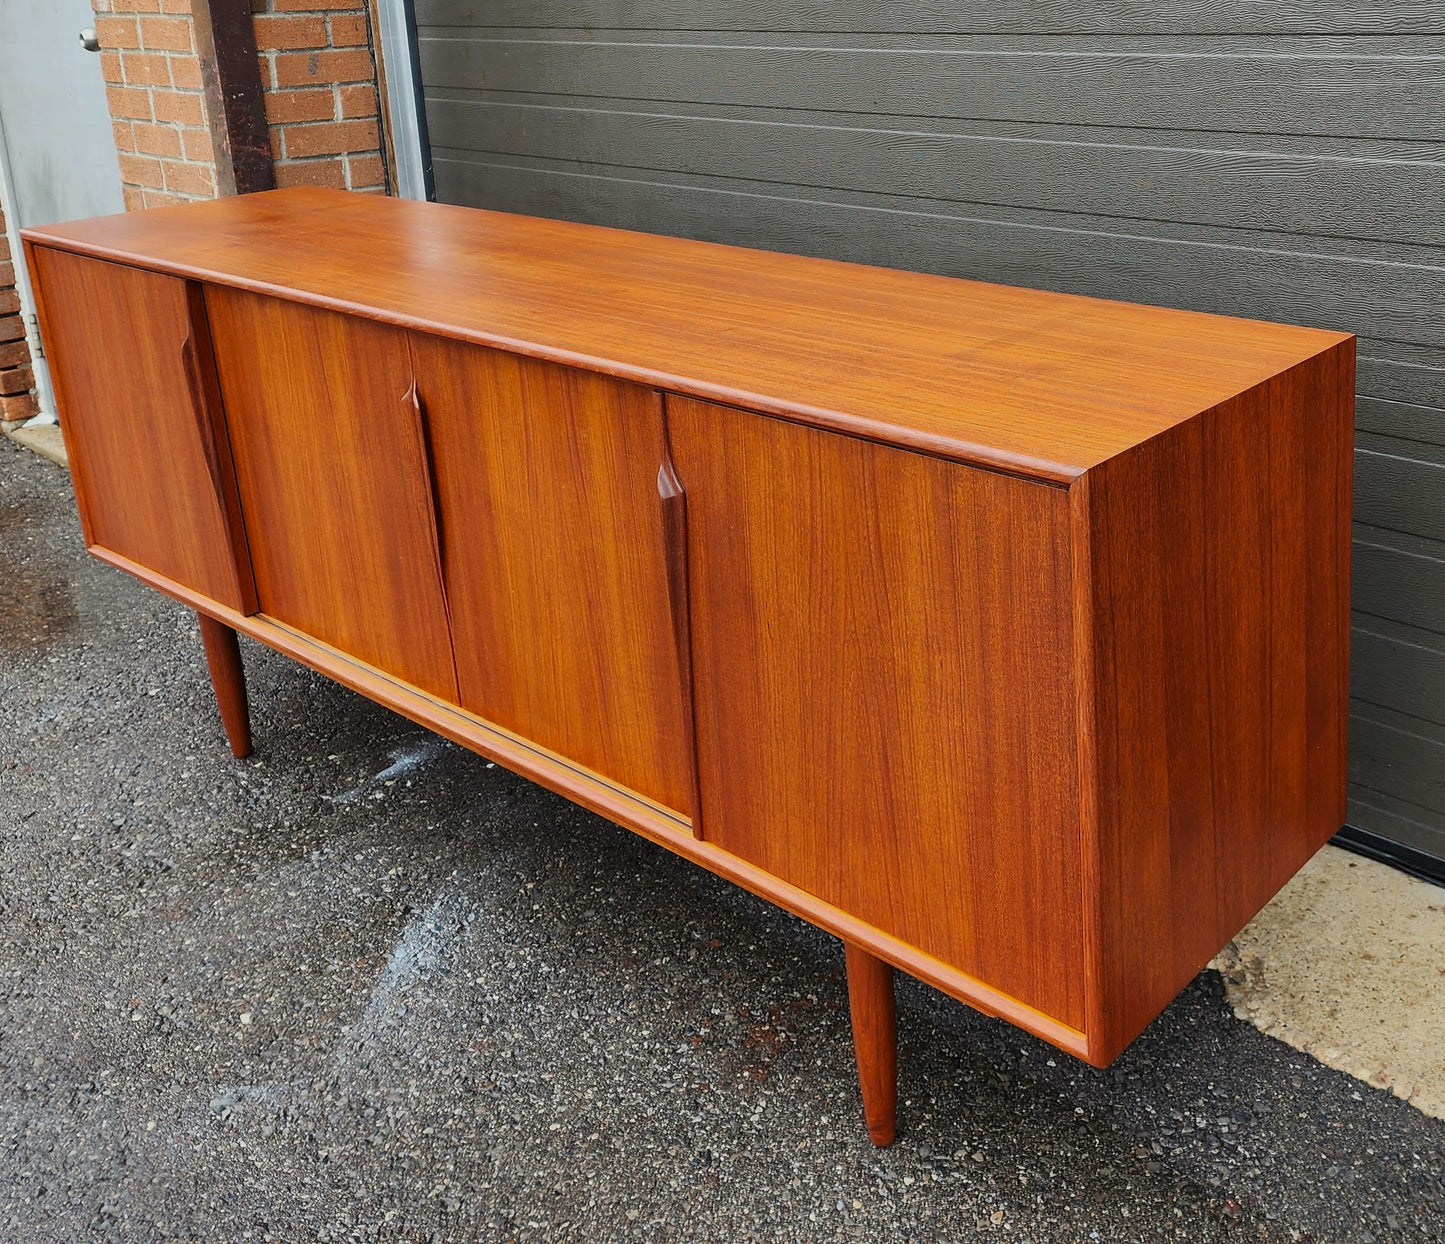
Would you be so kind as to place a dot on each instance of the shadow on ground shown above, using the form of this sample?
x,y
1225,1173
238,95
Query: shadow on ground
x,y
367,986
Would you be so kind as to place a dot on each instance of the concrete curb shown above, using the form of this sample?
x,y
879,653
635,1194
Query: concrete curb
x,y
44,440
1347,964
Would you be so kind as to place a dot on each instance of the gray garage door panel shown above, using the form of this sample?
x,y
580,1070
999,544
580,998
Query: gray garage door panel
x,y
1407,766
1400,578
1389,89
1396,667
950,16
1190,178
1397,490
1402,420
1402,373
1281,159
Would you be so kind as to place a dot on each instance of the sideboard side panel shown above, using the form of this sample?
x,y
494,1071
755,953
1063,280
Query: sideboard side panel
x,y
1220,582
883,658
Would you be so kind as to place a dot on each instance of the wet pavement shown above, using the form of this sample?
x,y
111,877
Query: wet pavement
x,y
366,985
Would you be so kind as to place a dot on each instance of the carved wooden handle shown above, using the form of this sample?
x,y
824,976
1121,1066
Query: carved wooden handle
x,y
200,409
674,536
202,387
412,399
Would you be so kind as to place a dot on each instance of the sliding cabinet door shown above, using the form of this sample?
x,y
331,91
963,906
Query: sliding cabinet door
x,y
882,648
131,358
557,564
331,460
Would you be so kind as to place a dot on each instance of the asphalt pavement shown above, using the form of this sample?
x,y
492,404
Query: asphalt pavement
x,y
368,986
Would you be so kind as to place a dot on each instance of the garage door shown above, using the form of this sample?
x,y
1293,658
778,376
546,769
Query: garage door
x,y
1283,160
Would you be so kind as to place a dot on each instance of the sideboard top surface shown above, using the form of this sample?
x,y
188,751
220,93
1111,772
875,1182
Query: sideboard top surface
x,y
1041,384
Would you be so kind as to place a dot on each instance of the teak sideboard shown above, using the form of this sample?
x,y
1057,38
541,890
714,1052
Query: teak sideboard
x,y
1002,633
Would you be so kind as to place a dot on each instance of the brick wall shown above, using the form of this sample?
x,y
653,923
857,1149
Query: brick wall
x,y
318,71
157,105
17,381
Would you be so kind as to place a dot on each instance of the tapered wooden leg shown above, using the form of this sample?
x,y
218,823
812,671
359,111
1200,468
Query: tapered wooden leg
x,y
223,657
875,1041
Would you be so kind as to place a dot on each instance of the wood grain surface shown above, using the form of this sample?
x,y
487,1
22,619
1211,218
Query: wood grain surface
x,y
133,374
1218,604
875,1041
883,657
334,482
1045,735
1037,383
556,573
228,680
591,791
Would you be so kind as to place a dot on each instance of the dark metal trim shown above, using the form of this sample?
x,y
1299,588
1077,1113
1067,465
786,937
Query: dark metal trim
x,y
1396,854
235,101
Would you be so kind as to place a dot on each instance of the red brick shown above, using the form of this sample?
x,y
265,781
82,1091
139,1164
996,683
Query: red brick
x,y
294,6
117,31
129,101
15,353
17,380
365,171
134,196
279,33
157,140
123,135
175,6
194,179
158,198
12,328
110,70
145,69
317,104
330,138
7,269
312,173
314,68
141,171
350,30
197,144
136,6
186,71
181,107
9,302
21,406
166,34
358,101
